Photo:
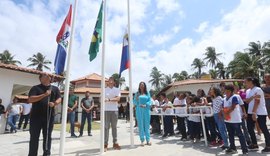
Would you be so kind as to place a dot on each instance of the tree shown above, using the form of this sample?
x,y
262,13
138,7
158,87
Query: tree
x,y
167,79
213,73
198,64
255,48
7,58
220,70
211,56
244,65
119,81
183,75
156,78
39,61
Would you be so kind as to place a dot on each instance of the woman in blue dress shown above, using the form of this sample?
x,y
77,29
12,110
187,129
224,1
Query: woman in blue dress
x,y
142,101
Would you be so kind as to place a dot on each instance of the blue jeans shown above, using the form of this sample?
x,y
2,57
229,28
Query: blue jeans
x,y
222,129
71,117
235,128
12,119
85,116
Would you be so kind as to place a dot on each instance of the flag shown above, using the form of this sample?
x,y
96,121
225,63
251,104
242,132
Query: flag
x,y
96,38
125,60
63,39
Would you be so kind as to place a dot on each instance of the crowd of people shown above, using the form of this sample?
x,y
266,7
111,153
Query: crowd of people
x,y
237,111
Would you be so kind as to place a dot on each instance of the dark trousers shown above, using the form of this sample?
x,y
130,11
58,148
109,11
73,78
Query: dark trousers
x,y
262,124
71,118
210,121
85,116
168,125
36,125
194,129
24,118
235,128
155,123
182,126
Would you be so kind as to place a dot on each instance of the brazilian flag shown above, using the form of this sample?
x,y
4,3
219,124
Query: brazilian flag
x,y
96,38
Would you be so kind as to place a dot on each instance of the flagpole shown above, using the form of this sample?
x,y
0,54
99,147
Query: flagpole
x,y
66,91
130,82
102,115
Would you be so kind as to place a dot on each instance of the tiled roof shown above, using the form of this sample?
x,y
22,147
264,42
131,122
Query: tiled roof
x,y
94,76
94,90
27,70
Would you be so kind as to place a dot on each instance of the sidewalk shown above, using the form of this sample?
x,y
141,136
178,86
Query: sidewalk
x,y
16,144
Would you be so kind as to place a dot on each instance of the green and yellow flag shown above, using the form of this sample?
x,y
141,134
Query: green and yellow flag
x,y
96,38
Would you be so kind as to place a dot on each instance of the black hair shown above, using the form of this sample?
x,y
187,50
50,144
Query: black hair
x,y
163,94
196,99
254,81
217,91
202,92
145,88
230,88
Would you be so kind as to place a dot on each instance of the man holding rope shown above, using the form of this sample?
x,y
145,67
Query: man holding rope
x,y
44,98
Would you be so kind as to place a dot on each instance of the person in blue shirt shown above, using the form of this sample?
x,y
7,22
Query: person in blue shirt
x,y
142,101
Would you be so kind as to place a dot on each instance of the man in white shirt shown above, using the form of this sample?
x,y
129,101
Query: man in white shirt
x,y
155,121
112,96
25,115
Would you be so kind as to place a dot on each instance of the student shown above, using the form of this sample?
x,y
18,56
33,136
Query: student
x,y
155,121
256,112
233,120
168,119
13,113
142,101
217,101
180,102
194,121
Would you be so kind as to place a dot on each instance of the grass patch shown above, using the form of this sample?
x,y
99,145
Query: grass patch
x,y
95,126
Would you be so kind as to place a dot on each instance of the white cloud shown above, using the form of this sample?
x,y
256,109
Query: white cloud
x,y
160,39
168,5
202,27
176,29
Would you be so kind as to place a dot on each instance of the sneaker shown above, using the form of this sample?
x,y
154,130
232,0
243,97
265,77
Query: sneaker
x,y
164,135
142,143
245,153
220,142
149,143
105,148
224,147
230,151
74,136
171,134
253,147
213,144
266,150
116,146
89,134
183,139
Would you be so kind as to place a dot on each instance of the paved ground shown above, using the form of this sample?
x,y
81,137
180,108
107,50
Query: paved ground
x,y
17,145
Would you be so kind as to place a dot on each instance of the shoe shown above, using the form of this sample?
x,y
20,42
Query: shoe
x,y
148,143
213,144
142,143
89,134
224,147
197,140
245,153
230,151
192,141
266,150
116,146
164,135
183,139
80,135
253,147
105,148
171,134
74,136
220,143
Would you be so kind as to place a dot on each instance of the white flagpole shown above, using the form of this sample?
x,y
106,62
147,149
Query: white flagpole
x,y
64,110
102,102
130,82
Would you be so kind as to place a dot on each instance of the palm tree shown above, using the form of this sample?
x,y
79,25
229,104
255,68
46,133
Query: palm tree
x,y
220,70
119,81
157,78
244,65
7,58
183,75
198,64
213,73
167,79
255,48
211,56
266,56
39,60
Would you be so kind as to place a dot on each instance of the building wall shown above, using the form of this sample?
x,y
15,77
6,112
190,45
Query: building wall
x,y
7,79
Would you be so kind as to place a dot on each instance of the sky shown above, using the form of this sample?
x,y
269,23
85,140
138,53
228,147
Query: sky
x,y
167,34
